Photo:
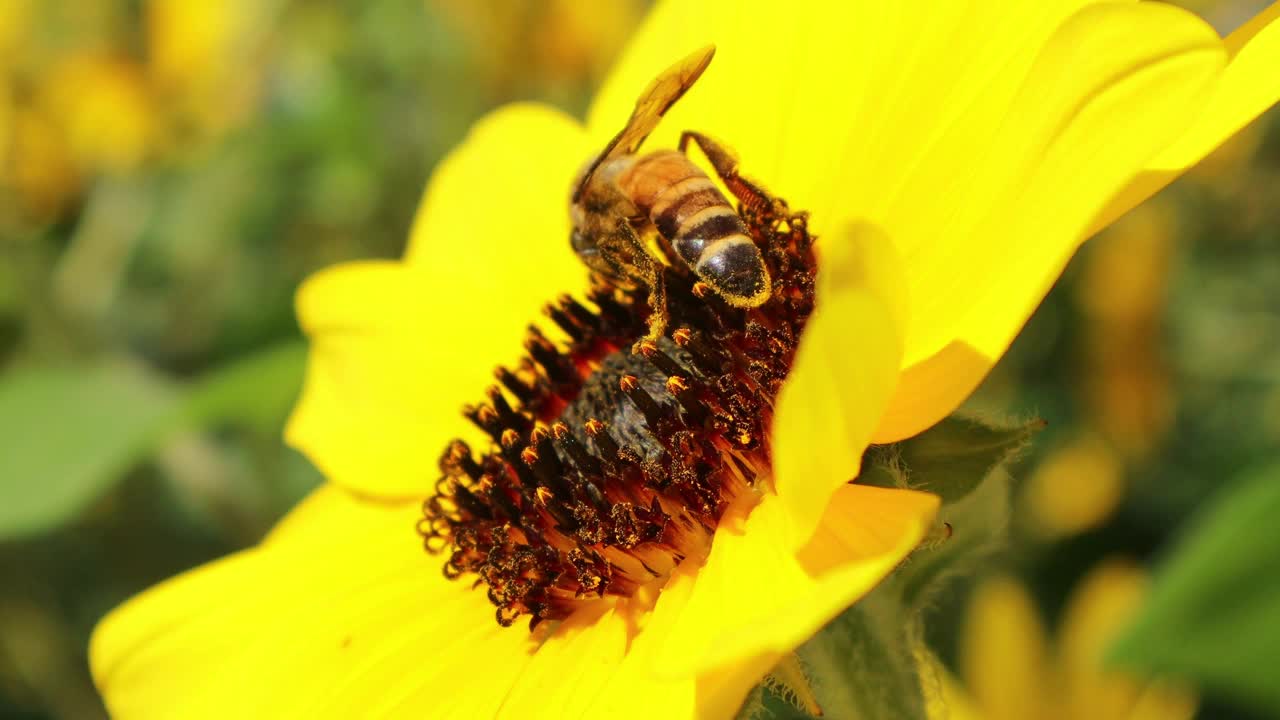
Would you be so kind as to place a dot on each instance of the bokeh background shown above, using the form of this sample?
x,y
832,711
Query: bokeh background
x,y
171,169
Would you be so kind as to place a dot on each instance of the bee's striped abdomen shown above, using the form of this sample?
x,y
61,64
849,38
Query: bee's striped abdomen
x,y
705,231
710,228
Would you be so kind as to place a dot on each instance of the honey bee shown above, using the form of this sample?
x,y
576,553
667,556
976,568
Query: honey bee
x,y
621,196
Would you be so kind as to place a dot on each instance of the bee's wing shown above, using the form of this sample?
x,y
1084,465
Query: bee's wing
x,y
654,102
656,99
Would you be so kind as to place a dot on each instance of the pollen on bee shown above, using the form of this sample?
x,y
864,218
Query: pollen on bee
x,y
608,468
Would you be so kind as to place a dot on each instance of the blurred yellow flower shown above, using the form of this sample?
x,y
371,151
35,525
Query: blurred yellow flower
x,y
1012,671
203,58
75,104
948,194
1076,488
1122,291
15,17
560,40
39,166
104,107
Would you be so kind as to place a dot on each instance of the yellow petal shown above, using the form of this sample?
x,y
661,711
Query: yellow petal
x,y
570,671
984,173
1110,88
828,103
387,375
929,390
599,663
842,377
342,615
493,225
635,690
1003,654
1245,90
326,511
604,662
397,349
1095,105
754,599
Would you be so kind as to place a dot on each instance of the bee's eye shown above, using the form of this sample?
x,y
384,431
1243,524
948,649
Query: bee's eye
x,y
578,241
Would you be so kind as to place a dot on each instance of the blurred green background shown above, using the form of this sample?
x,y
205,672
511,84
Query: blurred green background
x,y
171,169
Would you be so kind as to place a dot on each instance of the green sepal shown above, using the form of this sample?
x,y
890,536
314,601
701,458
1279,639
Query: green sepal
x,y
966,534
950,459
963,460
861,665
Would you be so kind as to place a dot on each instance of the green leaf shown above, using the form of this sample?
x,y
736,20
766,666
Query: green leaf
x,y
255,391
953,457
1213,615
66,434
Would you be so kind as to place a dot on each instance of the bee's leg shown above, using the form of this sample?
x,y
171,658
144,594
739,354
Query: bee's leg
x,y
657,306
755,199
642,265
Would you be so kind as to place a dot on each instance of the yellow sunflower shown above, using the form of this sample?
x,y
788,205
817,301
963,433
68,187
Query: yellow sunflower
x,y
950,162
1013,672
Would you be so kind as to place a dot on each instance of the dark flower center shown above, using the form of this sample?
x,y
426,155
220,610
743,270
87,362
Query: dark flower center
x,y
609,467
